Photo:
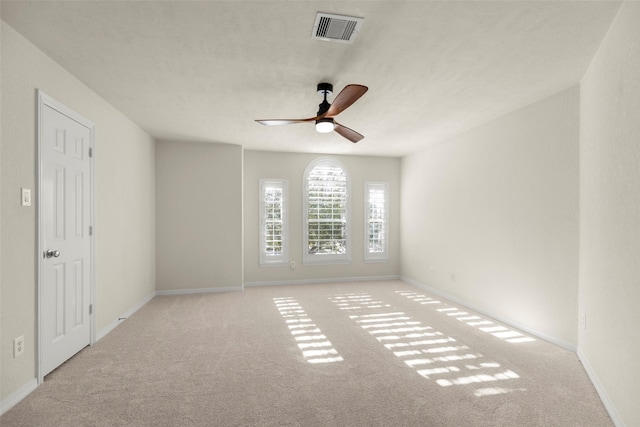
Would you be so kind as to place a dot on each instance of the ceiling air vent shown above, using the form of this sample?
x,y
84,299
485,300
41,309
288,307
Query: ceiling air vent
x,y
336,28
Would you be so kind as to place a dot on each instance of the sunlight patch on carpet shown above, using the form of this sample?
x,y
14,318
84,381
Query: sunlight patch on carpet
x,y
492,391
498,331
482,378
431,353
315,346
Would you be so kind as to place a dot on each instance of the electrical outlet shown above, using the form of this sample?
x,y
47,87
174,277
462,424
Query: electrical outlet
x,y
453,277
293,265
18,346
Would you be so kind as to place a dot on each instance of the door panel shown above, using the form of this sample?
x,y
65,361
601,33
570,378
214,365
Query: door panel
x,y
65,285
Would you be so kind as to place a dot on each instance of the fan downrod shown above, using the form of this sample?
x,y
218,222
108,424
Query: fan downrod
x,y
324,89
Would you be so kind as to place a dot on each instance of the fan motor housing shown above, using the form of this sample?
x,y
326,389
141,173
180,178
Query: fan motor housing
x,y
325,88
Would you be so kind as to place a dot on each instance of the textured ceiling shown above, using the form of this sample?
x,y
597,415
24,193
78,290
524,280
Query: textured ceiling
x,y
203,71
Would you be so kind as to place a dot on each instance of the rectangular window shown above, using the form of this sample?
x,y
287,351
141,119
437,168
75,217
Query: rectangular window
x,y
274,245
376,211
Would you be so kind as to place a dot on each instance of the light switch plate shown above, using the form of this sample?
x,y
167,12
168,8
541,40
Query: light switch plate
x,y
26,197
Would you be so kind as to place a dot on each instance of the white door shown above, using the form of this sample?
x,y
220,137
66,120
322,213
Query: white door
x,y
65,235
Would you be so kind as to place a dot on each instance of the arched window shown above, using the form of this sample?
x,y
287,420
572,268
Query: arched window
x,y
326,213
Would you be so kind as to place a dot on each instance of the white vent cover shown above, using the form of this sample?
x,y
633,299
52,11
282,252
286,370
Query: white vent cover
x,y
336,28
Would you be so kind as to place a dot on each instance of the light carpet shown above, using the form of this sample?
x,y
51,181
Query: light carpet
x,y
349,354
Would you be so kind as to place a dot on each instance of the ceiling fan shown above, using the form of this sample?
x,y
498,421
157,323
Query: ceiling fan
x,y
325,122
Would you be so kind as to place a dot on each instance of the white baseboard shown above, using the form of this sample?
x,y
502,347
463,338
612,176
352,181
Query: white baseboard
x,y
111,326
199,290
319,281
560,343
15,397
604,396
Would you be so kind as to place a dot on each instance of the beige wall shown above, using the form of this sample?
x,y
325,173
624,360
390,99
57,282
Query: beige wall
x,y
491,217
291,166
125,202
199,216
610,216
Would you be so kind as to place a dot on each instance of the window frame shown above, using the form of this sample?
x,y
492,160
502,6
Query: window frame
x,y
270,260
315,259
368,255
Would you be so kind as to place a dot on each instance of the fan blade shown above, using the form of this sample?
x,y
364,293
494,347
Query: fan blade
x,y
350,134
277,122
348,95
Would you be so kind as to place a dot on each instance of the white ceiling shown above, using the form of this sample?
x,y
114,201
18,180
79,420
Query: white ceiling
x,y
203,71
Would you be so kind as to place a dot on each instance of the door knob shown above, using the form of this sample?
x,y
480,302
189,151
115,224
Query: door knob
x,y
52,254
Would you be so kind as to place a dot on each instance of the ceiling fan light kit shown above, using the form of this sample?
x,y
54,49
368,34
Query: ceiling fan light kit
x,y
325,125
324,120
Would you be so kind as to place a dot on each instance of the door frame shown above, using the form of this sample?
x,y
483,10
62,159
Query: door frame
x,y
45,100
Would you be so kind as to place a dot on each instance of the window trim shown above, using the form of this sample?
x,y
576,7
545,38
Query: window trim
x,y
371,257
265,259
323,259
